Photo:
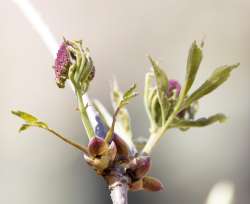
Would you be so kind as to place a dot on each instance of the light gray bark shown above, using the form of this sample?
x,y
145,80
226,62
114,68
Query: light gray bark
x,y
119,192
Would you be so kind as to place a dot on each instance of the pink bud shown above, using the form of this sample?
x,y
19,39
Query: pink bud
x,y
152,184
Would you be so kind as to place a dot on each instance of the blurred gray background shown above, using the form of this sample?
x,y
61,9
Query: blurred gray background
x,y
36,168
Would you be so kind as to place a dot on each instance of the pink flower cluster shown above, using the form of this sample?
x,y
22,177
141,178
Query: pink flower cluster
x,y
62,63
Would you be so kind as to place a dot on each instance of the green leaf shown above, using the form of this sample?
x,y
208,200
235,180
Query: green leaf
x,y
162,87
25,116
193,63
24,127
31,121
41,124
183,124
161,77
35,124
219,76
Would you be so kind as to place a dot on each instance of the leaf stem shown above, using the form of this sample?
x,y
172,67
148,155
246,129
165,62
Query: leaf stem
x,y
84,116
70,142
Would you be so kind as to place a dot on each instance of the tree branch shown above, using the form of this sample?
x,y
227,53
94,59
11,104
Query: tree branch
x,y
119,192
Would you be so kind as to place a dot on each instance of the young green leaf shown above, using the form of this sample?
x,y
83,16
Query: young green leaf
x,y
25,116
34,124
183,124
24,127
193,63
219,76
31,121
162,87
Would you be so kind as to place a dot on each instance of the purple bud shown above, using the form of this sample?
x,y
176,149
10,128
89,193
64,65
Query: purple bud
x,y
152,184
62,64
97,146
173,85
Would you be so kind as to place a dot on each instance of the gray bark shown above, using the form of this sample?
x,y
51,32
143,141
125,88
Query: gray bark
x,y
119,192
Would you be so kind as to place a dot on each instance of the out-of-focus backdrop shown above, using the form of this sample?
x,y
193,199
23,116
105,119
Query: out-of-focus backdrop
x,y
36,168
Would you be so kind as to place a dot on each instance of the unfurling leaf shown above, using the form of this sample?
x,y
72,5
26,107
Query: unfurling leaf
x,y
218,77
162,87
185,124
193,63
122,117
128,95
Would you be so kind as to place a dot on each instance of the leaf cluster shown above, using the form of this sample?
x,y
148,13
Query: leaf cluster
x,y
175,111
